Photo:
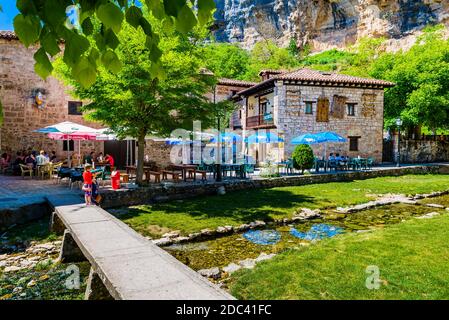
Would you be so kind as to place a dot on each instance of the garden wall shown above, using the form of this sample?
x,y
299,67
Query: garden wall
x,y
168,192
424,151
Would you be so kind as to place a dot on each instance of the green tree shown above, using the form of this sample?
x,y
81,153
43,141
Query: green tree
x,y
46,23
267,55
421,94
226,60
134,103
303,157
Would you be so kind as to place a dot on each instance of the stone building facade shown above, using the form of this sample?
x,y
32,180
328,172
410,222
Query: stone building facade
x,y
308,101
18,86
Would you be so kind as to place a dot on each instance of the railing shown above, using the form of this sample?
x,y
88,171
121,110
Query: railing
x,y
259,120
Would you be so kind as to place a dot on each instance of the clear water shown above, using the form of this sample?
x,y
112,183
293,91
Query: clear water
x,y
222,251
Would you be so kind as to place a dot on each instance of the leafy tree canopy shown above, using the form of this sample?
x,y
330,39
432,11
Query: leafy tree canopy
x,y
421,94
134,103
47,22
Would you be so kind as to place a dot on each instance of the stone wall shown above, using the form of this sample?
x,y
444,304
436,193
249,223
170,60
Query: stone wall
x,y
422,151
158,151
21,116
367,123
178,191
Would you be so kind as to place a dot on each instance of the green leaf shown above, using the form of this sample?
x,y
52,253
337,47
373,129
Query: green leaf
x,y
87,26
94,57
186,20
54,12
75,46
27,29
205,8
111,16
133,15
43,65
111,39
26,6
174,7
156,8
122,3
111,61
50,43
84,72
100,41
155,53
146,26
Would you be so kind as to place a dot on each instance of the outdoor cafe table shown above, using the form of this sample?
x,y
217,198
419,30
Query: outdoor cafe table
x,y
236,168
133,169
184,168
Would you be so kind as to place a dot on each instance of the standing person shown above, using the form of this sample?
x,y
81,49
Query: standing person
x,y
87,186
109,159
89,158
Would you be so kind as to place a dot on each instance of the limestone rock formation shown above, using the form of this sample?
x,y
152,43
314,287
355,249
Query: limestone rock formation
x,y
325,23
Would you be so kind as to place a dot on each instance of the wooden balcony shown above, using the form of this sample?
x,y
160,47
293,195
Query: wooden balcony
x,y
260,121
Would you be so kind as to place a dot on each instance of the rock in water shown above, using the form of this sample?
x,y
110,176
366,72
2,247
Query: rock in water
x,y
231,268
213,273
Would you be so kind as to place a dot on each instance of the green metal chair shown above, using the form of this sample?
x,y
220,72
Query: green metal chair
x,y
370,163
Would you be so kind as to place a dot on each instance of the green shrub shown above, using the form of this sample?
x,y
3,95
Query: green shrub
x,y
303,157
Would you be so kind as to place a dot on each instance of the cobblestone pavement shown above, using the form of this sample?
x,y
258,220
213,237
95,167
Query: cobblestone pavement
x,y
16,191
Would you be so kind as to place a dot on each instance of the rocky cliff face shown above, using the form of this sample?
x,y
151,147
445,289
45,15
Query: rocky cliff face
x,y
325,23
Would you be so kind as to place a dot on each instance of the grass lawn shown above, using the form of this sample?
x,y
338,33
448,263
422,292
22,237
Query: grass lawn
x,y
412,258
267,204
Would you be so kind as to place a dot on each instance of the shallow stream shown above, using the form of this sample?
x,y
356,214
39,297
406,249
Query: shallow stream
x,y
234,248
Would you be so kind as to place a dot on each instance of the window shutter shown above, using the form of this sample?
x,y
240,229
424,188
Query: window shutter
x,y
322,110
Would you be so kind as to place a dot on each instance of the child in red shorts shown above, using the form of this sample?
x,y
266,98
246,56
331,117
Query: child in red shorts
x,y
87,186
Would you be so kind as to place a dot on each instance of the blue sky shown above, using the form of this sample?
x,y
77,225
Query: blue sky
x,y
8,14
10,11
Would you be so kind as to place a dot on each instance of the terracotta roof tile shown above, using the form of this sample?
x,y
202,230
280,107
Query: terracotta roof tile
x,y
319,77
323,76
233,82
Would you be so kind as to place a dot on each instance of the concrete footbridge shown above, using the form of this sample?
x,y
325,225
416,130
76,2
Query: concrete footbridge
x,y
124,264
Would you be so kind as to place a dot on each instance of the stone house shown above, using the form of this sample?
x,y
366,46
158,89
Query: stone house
x,y
18,87
309,101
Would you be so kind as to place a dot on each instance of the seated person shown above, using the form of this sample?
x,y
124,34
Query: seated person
x,y
100,157
338,157
109,159
75,160
30,160
53,157
41,159
331,157
4,161
20,159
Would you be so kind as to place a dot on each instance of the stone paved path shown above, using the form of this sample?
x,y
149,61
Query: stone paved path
x,y
16,191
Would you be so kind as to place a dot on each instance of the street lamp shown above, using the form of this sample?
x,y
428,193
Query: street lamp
x,y
399,124
218,175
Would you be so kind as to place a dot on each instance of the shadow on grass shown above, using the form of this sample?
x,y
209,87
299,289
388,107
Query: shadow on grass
x,y
247,205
